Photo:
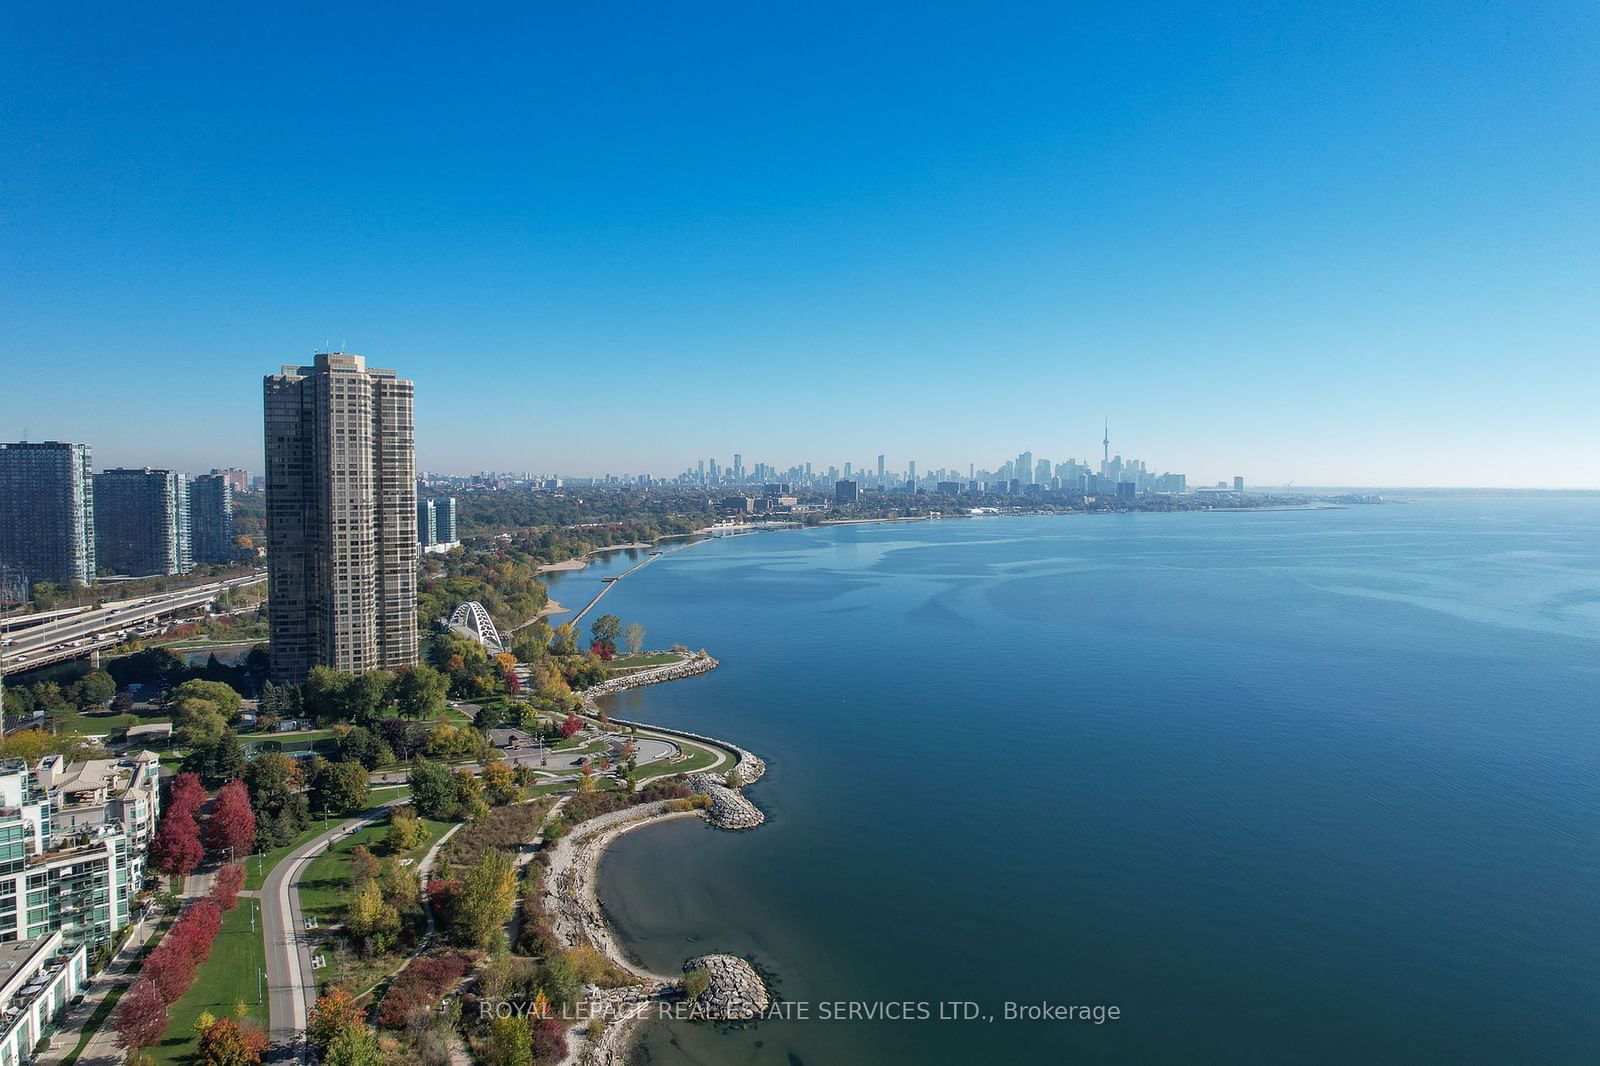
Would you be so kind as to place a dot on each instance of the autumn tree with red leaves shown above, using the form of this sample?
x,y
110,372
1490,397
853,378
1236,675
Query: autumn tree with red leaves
x,y
186,794
225,890
232,826
572,724
176,848
141,1018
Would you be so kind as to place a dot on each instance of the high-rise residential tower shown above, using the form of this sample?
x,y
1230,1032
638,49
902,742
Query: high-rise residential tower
x,y
47,512
142,524
211,518
341,517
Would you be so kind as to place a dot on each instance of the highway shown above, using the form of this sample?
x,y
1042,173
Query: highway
x,y
69,635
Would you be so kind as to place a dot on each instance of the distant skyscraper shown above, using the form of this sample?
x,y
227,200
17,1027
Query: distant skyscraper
x,y
341,517
880,470
1105,444
142,522
238,480
1024,468
427,524
444,520
846,493
1238,484
911,474
47,512
738,467
211,517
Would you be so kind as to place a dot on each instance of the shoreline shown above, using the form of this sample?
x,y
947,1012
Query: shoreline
x,y
581,561
571,893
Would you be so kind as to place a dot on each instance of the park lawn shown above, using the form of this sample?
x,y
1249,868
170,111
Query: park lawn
x,y
385,793
695,757
94,723
230,974
259,866
325,885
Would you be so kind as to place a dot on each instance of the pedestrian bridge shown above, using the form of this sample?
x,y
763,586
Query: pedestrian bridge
x,y
471,620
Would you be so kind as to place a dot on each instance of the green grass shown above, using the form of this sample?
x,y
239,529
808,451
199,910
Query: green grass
x,y
325,885
384,793
695,758
258,867
229,975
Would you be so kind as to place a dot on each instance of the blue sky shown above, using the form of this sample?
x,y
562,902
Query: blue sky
x,y
1352,247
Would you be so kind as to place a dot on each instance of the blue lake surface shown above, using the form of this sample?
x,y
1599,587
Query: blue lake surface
x,y
1294,786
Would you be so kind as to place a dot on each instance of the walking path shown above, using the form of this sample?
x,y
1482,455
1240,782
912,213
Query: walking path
x,y
102,1048
291,982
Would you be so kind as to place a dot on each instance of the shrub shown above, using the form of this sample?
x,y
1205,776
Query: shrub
x,y
696,982
419,986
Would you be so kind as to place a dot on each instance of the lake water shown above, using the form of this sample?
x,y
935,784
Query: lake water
x,y
1297,786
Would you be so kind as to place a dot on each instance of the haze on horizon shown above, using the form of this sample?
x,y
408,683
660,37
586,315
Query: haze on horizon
x,y
1337,248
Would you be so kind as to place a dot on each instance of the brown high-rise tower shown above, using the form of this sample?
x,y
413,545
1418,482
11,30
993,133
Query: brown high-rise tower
x,y
341,517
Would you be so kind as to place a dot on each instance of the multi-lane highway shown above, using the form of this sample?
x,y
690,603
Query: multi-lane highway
x,y
71,634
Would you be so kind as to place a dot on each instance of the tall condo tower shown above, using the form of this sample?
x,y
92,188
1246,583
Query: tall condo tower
x,y
341,517
47,512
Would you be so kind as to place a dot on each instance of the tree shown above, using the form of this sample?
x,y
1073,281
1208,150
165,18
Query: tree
x,y
279,701
141,1018
565,641
232,826
323,694
372,922
333,1013
171,966
367,695
398,883
420,691
274,781
186,794
364,865
406,830
224,697
338,786
225,890
360,744
633,636
510,1042
571,726
354,1046
231,1043
488,895
93,689
176,848
216,758
434,791
606,629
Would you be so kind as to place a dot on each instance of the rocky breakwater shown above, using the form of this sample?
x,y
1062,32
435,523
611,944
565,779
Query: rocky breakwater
x,y
697,664
729,809
734,991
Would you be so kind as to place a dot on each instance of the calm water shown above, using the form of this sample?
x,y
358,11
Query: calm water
x,y
1283,787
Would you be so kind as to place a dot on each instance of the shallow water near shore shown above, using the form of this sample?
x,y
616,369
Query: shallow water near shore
x,y
1293,786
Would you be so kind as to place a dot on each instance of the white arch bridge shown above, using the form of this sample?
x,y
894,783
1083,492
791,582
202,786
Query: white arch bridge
x,y
471,620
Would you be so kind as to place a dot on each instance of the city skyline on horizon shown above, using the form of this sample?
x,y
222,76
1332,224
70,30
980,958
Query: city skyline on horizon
x,y
1327,248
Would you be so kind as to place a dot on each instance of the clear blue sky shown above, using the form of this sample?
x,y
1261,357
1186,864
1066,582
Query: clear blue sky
x,y
1294,243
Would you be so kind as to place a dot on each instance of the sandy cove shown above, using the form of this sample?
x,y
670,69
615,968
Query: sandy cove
x,y
583,560
570,897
